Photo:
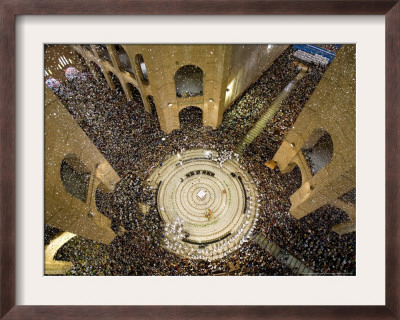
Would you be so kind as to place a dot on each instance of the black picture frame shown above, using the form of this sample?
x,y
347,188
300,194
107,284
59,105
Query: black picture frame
x,y
10,9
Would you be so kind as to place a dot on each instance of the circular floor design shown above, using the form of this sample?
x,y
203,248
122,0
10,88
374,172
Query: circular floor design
x,y
208,209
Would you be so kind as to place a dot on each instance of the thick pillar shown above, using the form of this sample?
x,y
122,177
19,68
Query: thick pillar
x,y
65,142
330,109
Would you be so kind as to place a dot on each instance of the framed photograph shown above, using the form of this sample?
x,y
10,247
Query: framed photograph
x,y
164,122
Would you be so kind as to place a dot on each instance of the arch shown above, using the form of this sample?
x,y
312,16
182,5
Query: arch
x,y
53,266
88,47
124,61
136,96
75,176
299,176
97,70
191,116
116,82
318,150
141,67
102,51
189,81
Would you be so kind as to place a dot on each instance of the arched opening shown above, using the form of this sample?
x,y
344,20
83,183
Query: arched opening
x,y
97,70
116,82
88,47
102,51
318,150
189,81
141,66
190,117
296,179
135,93
124,62
75,177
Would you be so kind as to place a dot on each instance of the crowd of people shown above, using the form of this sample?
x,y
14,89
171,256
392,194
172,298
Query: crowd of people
x,y
132,142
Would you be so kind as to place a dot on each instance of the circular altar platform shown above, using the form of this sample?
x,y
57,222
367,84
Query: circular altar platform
x,y
208,209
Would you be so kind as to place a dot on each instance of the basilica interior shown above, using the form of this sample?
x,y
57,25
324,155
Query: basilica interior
x,y
200,160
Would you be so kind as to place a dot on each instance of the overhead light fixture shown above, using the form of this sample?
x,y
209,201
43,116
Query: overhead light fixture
x,y
211,100
170,104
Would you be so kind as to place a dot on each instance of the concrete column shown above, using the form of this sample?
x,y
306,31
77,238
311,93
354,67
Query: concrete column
x,y
331,109
103,68
64,139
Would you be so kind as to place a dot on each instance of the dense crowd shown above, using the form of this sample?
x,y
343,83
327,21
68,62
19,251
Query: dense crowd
x,y
132,142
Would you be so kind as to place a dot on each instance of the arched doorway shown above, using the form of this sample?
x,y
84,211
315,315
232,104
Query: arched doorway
x,y
102,51
190,117
296,178
124,62
75,177
318,150
141,67
135,93
116,82
189,81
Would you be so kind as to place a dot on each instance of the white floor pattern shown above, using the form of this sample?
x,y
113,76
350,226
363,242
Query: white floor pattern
x,y
208,209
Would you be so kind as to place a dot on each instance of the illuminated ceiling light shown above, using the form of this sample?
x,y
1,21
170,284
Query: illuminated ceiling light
x,y
59,67
292,144
70,61
50,71
169,104
211,100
